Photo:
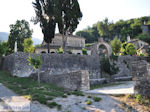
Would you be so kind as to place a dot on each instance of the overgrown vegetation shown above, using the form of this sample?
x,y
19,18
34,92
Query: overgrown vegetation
x,y
29,87
107,67
135,101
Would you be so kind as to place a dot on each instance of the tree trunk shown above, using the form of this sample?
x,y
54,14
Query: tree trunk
x,y
48,47
64,43
38,78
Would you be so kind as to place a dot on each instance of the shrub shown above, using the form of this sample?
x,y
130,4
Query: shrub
x,y
88,102
52,104
89,96
84,51
97,99
60,50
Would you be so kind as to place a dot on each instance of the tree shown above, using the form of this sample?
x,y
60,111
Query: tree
x,y
116,45
35,62
68,17
28,45
103,28
45,14
18,32
3,48
64,12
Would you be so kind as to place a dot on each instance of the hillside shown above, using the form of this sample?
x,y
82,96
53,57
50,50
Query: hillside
x,y
108,30
4,37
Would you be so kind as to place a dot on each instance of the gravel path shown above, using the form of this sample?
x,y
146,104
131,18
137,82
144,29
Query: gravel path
x,y
126,88
70,104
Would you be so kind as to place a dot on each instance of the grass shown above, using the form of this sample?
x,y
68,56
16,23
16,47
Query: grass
x,y
31,90
105,85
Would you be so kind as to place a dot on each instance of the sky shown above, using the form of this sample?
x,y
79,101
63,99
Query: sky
x,y
93,11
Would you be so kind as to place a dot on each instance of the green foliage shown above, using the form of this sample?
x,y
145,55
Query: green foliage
x,y
130,49
144,37
18,32
28,45
84,51
138,98
66,14
77,93
109,30
60,50
28,86
3,48
69,52
35,61
88,44
116,45
90,34
38,45
106,67
97,99
88,102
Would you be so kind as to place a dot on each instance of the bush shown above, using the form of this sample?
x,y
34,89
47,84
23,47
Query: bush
x,y
88,102
84,51
60,50
107,67
97,99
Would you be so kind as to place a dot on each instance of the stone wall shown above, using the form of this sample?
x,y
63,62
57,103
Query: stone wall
x,y
73,81
53,64
123,63
141,74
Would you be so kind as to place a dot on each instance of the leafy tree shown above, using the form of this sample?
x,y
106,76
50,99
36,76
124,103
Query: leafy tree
x,y
18,32
103,28
3,48
35,62
28,45
116,45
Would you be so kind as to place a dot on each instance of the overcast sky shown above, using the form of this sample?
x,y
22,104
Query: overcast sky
x,y
93,11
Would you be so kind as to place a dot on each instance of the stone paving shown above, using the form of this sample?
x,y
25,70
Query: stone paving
x,y
126,88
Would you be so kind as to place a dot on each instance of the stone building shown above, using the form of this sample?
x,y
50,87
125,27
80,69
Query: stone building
x,y
139,44
74,44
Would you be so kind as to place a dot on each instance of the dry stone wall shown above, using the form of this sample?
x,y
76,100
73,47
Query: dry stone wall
x,y
53,64
141,76
73,81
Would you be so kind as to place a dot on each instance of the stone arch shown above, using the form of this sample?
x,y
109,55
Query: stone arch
x,y
107,50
